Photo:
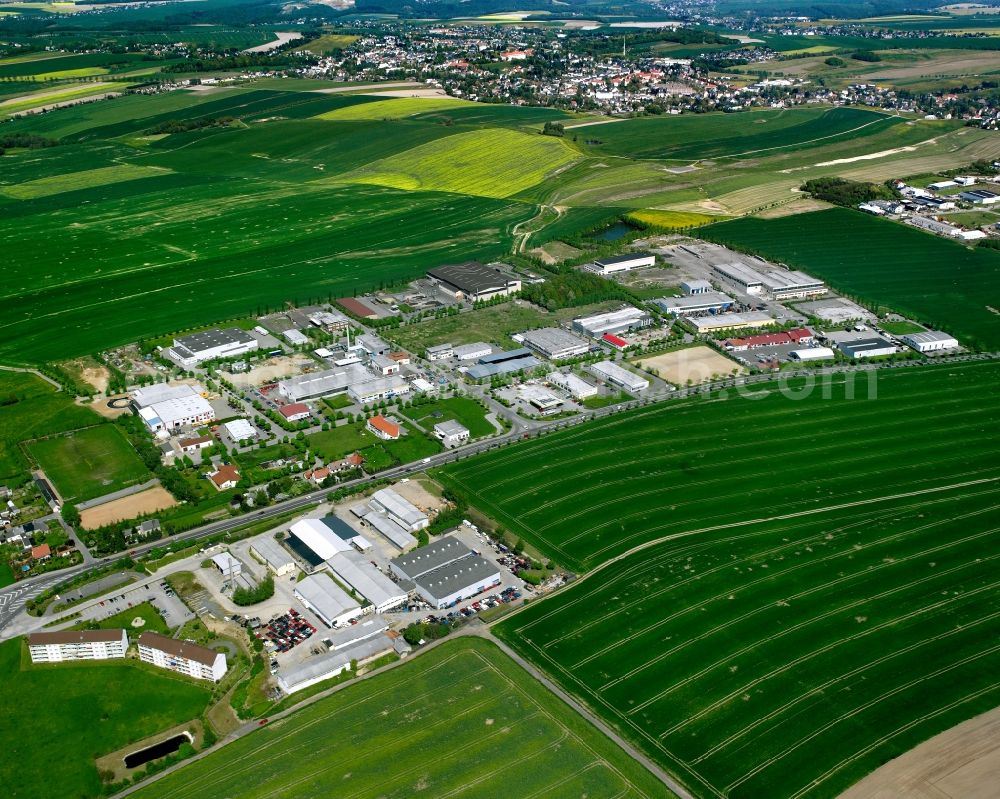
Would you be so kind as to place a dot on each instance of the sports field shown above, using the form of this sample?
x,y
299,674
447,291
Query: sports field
x,y
788,658
462,720
939,282
58,718
88,463
593,492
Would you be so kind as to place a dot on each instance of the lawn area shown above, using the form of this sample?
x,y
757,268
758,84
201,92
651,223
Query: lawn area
x,y
89,463
29,408
461,720
788,658
936,281
900,328
6,575
77,712
339,442
464,410
584,495
152,621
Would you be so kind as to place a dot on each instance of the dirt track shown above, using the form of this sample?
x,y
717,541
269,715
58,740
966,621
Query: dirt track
x,y
148,501
960,763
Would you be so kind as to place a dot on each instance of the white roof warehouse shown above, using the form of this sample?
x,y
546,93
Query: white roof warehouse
x,y
446,572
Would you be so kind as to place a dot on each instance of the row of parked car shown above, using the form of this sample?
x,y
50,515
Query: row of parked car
x,y
285,631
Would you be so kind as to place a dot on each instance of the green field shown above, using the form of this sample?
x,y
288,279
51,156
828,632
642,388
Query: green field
x,y
338,442
936,281
462,720
88,463
29,408
395,108
584,495
76,712
464,410
788,659
123,620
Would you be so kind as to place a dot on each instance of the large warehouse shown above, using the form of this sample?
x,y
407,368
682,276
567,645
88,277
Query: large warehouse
x,y
401,511
315,541
173,414
866,347
211,344
446,571
617,376
730,321
355,570
474,281
580,389
273,555
326,599
624,263
555,343
930,341
391,531
704,302
779,284
620,321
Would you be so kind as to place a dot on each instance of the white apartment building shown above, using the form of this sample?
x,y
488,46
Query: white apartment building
x,y
65,645
182,656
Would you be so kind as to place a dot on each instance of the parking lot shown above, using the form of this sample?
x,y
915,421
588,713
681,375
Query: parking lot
x,y
155,591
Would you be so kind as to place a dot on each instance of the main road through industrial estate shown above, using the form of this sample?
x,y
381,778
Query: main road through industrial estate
x,y
14,597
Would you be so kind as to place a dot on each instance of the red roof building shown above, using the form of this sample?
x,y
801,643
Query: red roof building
x,y
799,335
41,552
383,428
226,476
356,308
294,411
614,341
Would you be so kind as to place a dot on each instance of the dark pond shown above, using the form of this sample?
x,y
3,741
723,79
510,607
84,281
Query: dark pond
x,y
162,749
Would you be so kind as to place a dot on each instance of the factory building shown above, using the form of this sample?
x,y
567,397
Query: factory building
x,y
321,384
615,322
389,530
65,645
866,348
161,392
812,354
374,389
704,302
541,399
278,561
624,263
211,344
439,352
692,288
729,321
778,284
445,572
182,656
617,376
578,388
172,414
930,341
742,276
239,430
316,538
401,511
320,594
474,281
555,343
353,569
472,352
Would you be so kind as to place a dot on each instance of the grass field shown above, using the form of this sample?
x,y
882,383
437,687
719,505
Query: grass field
x,y
936,281
88,463
152,621
328,43
29,408
464,410
339,442
77,712
395,108
74,181
469,163
788,658
598,490
460,721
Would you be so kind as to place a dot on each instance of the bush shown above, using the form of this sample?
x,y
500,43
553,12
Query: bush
x,y
247,596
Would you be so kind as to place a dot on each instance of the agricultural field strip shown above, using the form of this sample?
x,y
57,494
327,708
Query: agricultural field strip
x,y
257,757
633,495
542,652
635,573
792,545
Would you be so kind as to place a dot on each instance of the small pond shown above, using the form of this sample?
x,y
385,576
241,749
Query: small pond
x,y
161,749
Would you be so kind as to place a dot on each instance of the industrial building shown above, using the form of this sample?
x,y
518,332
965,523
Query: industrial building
x,y
866,347
933,226
616,375
295,337
228,566
173,414
294,411
320,594
778,284
334,321
391,531
692,288
980,197
503,363
211,344
474,281
620,321
446,571
472,352
812,354
578,388
555,343
741,275
401,511
346,533
321,384
374,389
182,656
273,555
930,341
161,392
624,263
730,321
703,302
316,670
316,537
239,430
439,352
799,335
451,433
353,569
65,645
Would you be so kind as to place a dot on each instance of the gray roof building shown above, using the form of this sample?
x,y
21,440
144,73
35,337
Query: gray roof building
x,y
355,570
555,343
475,280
